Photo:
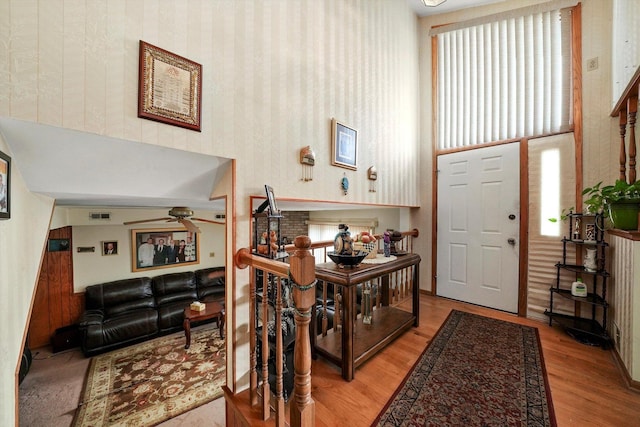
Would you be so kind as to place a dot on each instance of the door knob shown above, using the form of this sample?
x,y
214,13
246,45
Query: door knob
x,y
511,241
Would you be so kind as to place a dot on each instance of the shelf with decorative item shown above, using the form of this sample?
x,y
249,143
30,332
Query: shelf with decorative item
x,y
591,298
586,232
581,270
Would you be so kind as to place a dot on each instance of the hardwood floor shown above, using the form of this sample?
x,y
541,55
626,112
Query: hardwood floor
x,y
586,387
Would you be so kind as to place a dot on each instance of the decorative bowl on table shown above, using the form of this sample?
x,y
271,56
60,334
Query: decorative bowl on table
x,y
344,260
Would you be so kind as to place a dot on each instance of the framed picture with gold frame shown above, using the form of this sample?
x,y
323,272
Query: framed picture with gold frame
x,y
151,248
344,145
169,88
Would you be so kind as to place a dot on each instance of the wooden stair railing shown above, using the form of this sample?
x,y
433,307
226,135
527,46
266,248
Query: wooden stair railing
x,y
301,272
626,110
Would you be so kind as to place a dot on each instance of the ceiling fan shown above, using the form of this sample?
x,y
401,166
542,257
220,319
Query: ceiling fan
x,y
179,214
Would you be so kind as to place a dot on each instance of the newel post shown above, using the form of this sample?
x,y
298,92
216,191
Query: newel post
x,y
303,274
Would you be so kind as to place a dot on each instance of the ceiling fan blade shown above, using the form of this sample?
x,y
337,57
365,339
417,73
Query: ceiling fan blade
x,y
208,220
189,225
147,220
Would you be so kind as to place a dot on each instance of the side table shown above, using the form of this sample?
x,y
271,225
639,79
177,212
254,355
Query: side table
x,y
212,309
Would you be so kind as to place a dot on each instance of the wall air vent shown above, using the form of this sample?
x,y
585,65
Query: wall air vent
x,y
104,216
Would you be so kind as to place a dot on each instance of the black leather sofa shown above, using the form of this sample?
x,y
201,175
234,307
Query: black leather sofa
x,y
127,311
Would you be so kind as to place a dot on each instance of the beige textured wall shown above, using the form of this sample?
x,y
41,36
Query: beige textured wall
x,y
22,240
601,132
274,74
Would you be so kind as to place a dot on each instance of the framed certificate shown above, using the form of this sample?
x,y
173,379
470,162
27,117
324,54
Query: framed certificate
x,y
169,88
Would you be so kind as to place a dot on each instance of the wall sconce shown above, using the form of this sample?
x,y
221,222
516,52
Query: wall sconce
x,y
307,160
372,175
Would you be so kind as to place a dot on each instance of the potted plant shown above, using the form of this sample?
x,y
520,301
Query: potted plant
x,y
620,202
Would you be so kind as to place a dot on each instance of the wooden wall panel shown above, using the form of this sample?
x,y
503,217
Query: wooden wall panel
x,y
55,305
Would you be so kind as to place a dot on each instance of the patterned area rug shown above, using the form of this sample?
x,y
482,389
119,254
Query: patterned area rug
x,y
476,371
147,383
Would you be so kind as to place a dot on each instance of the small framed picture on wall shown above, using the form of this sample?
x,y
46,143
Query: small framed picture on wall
x,y
344,146
110,247
5,186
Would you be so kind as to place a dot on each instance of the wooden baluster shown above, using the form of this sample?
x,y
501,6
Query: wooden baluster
x,y
623,154
325,319
280,415
266,390
396,285
410,271
253,376
405,283
632,106
337,303
302,265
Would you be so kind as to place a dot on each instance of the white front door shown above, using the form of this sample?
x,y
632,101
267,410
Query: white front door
x,y
478,226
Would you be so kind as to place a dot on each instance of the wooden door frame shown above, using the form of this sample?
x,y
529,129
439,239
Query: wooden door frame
x,y
577,129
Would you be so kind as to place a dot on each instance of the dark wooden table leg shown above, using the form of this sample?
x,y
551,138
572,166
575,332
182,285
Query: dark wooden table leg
x,y
187,332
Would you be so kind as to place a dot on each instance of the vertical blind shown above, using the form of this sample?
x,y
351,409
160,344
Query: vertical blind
x,y
504,79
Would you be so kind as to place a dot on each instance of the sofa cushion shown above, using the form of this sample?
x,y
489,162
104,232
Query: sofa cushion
x,y
129,326
118,331
175,287
211,284
171,316
120,296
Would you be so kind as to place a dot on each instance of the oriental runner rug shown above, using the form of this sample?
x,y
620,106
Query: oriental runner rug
x,y
476,371
148,383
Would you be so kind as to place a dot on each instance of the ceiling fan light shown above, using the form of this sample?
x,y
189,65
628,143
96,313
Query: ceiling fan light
x,y
433,3
181,212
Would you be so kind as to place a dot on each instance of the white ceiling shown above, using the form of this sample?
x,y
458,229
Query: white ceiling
x,y
83,169
448,6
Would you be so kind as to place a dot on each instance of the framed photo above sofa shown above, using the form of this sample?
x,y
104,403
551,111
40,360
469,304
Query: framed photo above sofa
x,y
153,248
